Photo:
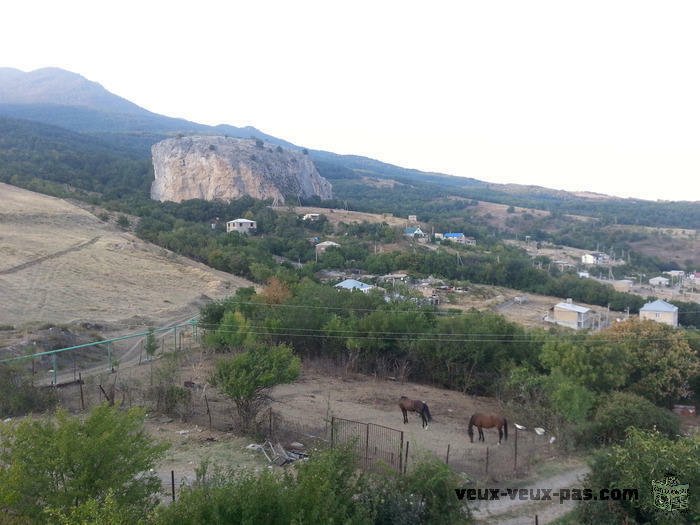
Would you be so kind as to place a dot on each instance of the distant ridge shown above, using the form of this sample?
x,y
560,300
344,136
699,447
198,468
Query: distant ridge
x,y
58,87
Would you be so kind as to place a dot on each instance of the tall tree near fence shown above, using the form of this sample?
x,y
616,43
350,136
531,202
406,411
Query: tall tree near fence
x,y
248,377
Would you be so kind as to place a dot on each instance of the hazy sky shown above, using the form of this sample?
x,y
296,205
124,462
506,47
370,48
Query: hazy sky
x,y
596,96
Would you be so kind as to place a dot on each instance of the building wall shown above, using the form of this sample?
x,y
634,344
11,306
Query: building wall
x,y
669,318
566,317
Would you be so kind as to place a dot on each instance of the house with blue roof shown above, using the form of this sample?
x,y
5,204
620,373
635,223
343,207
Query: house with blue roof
x,y
352,284
660,312
459,238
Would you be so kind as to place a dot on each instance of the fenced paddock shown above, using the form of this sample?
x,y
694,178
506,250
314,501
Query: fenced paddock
x,y
322,409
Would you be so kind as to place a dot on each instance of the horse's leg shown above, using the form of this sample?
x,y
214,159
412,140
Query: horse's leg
x,y
405,417
500,435
424,420
481,434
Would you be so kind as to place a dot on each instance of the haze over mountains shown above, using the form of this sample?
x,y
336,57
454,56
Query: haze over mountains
x,y
61,98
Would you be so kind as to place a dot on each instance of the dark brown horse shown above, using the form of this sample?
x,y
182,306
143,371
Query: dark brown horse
x,y
482,421
414,405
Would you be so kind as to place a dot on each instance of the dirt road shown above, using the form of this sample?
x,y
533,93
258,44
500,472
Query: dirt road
x,y
506,511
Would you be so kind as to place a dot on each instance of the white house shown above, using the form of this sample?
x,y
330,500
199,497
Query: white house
x,y
595,258
659,281
571,315
676,273
660,311
323,246
311,217
414,233
241,226
459,238
413,219
352,284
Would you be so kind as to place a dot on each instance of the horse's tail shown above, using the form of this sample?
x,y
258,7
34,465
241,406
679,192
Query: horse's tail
x,y
427,413
505,428
471,424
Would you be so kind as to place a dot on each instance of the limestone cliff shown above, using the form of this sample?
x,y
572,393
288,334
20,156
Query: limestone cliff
x,y
221,168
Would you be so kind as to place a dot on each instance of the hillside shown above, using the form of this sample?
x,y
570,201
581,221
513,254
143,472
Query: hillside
x,y
62,264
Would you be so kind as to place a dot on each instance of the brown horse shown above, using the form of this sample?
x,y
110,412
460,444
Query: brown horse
x,y
482,421
415,406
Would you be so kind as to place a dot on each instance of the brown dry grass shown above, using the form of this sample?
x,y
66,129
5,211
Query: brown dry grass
x,y
93,271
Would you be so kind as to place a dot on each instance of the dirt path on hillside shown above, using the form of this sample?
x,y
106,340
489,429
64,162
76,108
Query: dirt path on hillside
x,y
506,511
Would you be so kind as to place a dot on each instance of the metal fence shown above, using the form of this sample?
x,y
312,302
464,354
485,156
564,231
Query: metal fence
x,y
372,444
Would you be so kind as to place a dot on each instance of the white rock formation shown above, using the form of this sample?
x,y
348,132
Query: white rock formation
x,y
221,168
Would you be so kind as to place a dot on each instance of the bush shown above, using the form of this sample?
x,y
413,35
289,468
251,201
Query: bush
x,y
643,457
123,222
59,462
622,410
326,489
18,396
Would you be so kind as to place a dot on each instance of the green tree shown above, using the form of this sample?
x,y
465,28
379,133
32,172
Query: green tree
x,y
248,377
598,366
123,222
660,363
62,461
232,332
645,456
621,410
151,345
571,399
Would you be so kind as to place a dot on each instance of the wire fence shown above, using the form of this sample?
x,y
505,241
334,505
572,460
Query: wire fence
x,y
372,444
173,384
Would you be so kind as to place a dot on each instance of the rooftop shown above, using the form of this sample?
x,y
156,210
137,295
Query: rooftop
x,y
658,306
573,308
352,284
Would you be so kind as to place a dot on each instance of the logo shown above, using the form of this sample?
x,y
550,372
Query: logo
x,y
669,494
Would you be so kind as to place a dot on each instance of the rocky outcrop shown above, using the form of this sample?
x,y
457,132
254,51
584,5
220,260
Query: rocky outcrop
x,y
221,168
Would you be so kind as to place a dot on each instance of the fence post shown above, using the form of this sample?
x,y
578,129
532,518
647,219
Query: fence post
x,y
332,431
175,337
54,369
447,457
401,454
109,357
172,482
515,458
367,446
487,461
270,428
82,399
405,463
208,411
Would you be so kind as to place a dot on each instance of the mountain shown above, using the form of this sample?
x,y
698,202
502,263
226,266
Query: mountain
x,y
67,100
58,87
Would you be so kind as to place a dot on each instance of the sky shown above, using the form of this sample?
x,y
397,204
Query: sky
x,y
599,96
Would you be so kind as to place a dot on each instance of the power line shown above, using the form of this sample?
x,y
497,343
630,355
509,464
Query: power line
x,y
441,339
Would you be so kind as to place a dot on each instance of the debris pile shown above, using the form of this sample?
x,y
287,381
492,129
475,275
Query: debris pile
x,y
279,455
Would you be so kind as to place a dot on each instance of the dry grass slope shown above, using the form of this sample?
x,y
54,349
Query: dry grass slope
x,y
61,264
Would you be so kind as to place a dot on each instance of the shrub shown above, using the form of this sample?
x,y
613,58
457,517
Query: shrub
x,y
643,457
18,396
59,462
622,410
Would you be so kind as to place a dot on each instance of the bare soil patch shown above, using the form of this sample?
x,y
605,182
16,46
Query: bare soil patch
x,y
336,216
